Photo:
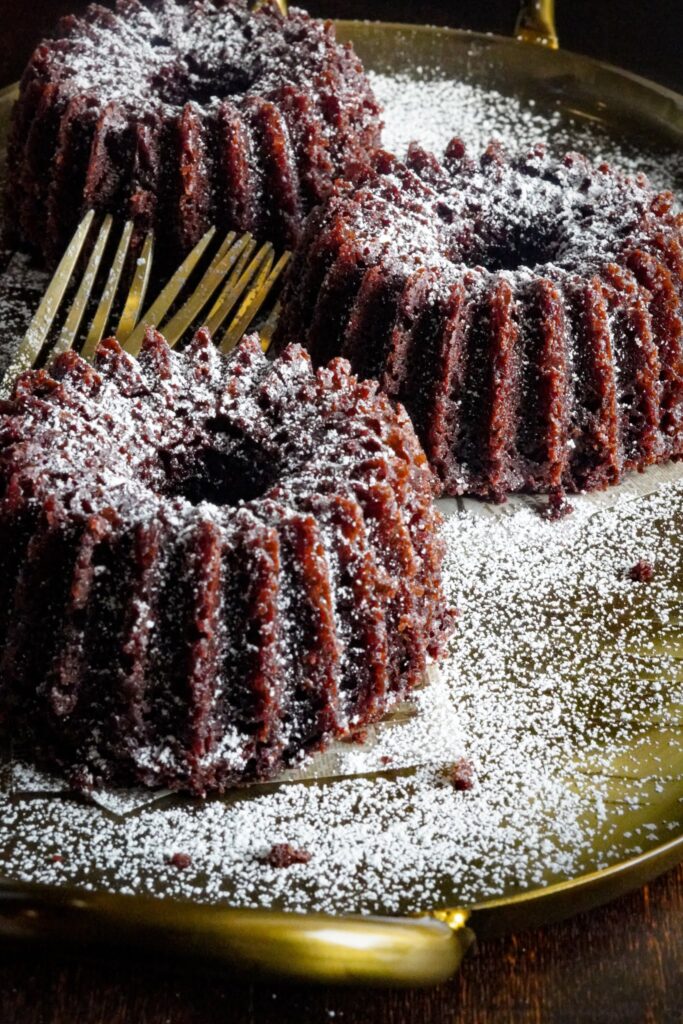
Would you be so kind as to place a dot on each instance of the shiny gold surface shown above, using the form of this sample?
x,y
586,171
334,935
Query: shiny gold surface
x,y
574,896
241,275
68,333
380,950
38,330
536,23
280,4
342,950
222,264
553,79
166,297
101,317
138,290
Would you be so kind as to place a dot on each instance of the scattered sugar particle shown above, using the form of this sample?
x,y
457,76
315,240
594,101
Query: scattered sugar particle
x,y
553,646
551,651
477,115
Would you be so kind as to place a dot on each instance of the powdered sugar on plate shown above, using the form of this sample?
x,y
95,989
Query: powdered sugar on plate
x,y
563,689
478,115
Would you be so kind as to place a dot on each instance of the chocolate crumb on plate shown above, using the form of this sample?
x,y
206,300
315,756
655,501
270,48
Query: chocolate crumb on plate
x,y
557,508
460,774
531,703
180,860
284,855
642,572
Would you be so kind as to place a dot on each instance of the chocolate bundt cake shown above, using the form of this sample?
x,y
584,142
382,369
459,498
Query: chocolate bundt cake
x,y
181,116
209,565
527,312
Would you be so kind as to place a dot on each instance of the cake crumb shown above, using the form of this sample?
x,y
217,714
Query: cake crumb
x,y
642,572
557,508
357,735
180,860
460,774
284,855
539,678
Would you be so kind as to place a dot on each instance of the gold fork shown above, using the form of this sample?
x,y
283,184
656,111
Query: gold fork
x,y
244,273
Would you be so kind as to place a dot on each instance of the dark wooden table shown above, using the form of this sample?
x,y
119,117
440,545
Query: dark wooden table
x,y
621,964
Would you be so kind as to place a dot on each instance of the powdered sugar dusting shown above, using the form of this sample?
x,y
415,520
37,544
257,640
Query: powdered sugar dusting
x,y
479,115
142,59
563,688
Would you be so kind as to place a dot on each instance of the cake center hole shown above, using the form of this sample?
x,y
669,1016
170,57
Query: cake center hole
x,y
221,478
510,245
194,80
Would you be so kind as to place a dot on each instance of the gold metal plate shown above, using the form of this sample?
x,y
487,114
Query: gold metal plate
x,y
345,948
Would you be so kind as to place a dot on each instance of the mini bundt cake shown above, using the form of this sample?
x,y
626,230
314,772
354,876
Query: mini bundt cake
x,y
527,312
209,565
181,116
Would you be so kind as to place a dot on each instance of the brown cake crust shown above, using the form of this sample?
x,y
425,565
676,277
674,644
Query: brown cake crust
x,y
180,116
209,565
526,311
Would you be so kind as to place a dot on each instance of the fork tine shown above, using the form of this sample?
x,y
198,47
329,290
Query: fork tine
x,y
267,329
103,310
137,292
168,295
69,331
237,287
38,330
258,292
252,293
238,271
226,297
217,313
212,279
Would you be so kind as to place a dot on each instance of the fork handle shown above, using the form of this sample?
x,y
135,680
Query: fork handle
x,y
536,23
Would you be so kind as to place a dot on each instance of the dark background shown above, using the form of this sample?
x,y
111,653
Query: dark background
x,y
622,964
644,35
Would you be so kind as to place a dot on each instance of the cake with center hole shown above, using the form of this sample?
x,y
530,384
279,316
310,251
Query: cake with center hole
x,y
180,116
210,566
527,311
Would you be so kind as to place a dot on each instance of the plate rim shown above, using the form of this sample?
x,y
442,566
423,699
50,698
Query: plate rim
x,y
533,907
